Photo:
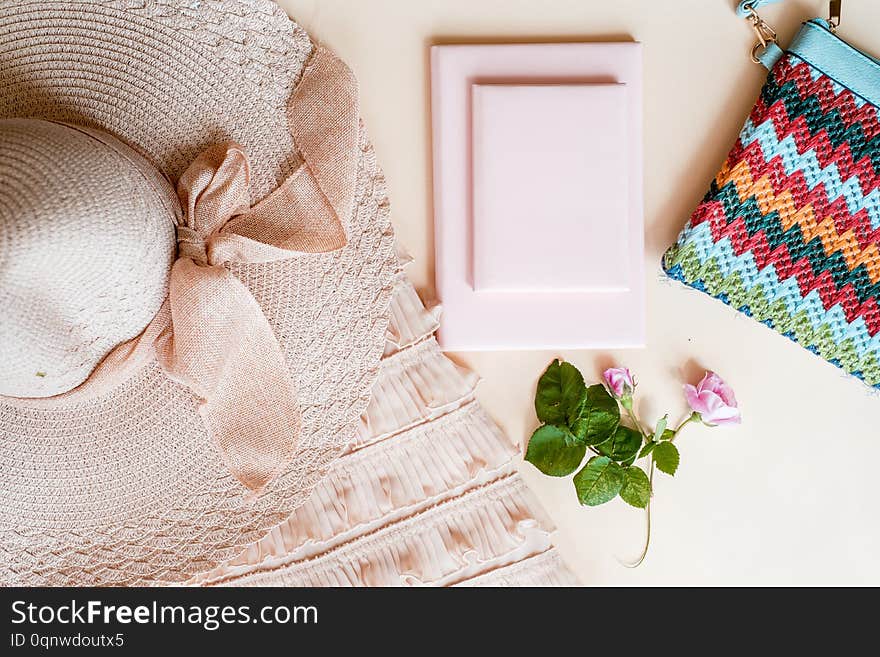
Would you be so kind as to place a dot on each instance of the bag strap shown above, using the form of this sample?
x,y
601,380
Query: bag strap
x,y
767,52
745,8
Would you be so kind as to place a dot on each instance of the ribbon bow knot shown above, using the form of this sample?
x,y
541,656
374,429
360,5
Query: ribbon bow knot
x,y
191,245
219,343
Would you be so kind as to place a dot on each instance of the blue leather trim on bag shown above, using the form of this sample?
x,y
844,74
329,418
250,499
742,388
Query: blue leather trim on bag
x,y
855,70
771,55
742,9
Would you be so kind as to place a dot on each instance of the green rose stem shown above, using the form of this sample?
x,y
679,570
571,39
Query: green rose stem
x,y
694,417
627,403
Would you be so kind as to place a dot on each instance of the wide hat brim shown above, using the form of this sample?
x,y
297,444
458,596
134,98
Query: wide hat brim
x,y
128,487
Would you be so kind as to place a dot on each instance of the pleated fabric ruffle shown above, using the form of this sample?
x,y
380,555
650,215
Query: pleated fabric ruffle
x,y
415,385
372,486
543,569
450,542
426,495
410,321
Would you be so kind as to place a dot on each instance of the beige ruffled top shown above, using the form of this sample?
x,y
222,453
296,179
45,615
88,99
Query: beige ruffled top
x,y
427,493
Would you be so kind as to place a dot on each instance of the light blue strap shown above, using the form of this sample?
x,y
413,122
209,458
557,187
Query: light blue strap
x,y
742,9
771,56
771,53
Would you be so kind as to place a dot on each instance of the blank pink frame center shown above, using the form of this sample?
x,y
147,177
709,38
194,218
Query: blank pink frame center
x,y
550,188
506,279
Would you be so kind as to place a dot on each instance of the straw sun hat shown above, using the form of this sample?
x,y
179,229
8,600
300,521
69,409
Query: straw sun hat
x,y
196,264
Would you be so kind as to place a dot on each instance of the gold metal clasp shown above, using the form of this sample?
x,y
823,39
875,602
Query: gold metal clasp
x,y
834,14
766,34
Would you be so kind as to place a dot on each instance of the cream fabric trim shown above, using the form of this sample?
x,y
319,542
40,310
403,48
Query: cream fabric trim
x,y
544,569
443,545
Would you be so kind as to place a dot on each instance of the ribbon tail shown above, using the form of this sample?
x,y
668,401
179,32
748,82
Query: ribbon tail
x,y
220,343
222,347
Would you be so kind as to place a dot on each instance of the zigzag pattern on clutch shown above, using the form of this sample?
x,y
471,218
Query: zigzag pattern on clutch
x,y
789,232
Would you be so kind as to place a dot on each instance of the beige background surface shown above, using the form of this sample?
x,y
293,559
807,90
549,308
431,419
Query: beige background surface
x,y
788,498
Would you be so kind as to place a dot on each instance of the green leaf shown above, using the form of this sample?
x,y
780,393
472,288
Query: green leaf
x,y
636,489
661,427
624,444
552,452
647,449
666,457
561,392
599,481
668,434
598,416
570,439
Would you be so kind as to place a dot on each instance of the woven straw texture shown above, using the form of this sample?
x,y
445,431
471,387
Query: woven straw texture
x,y
426,495
170,77
790,229
63,313
127,488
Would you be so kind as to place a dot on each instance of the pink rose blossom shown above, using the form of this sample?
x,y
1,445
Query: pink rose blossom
x,y
714,400
620,382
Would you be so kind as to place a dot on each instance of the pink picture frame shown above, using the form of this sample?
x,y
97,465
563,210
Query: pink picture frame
x,y
508,239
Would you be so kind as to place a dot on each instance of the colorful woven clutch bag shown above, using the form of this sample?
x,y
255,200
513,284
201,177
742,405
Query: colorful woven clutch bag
x,y
790,228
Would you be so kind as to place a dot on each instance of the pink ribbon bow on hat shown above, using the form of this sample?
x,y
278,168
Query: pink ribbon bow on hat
x,y
218,342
